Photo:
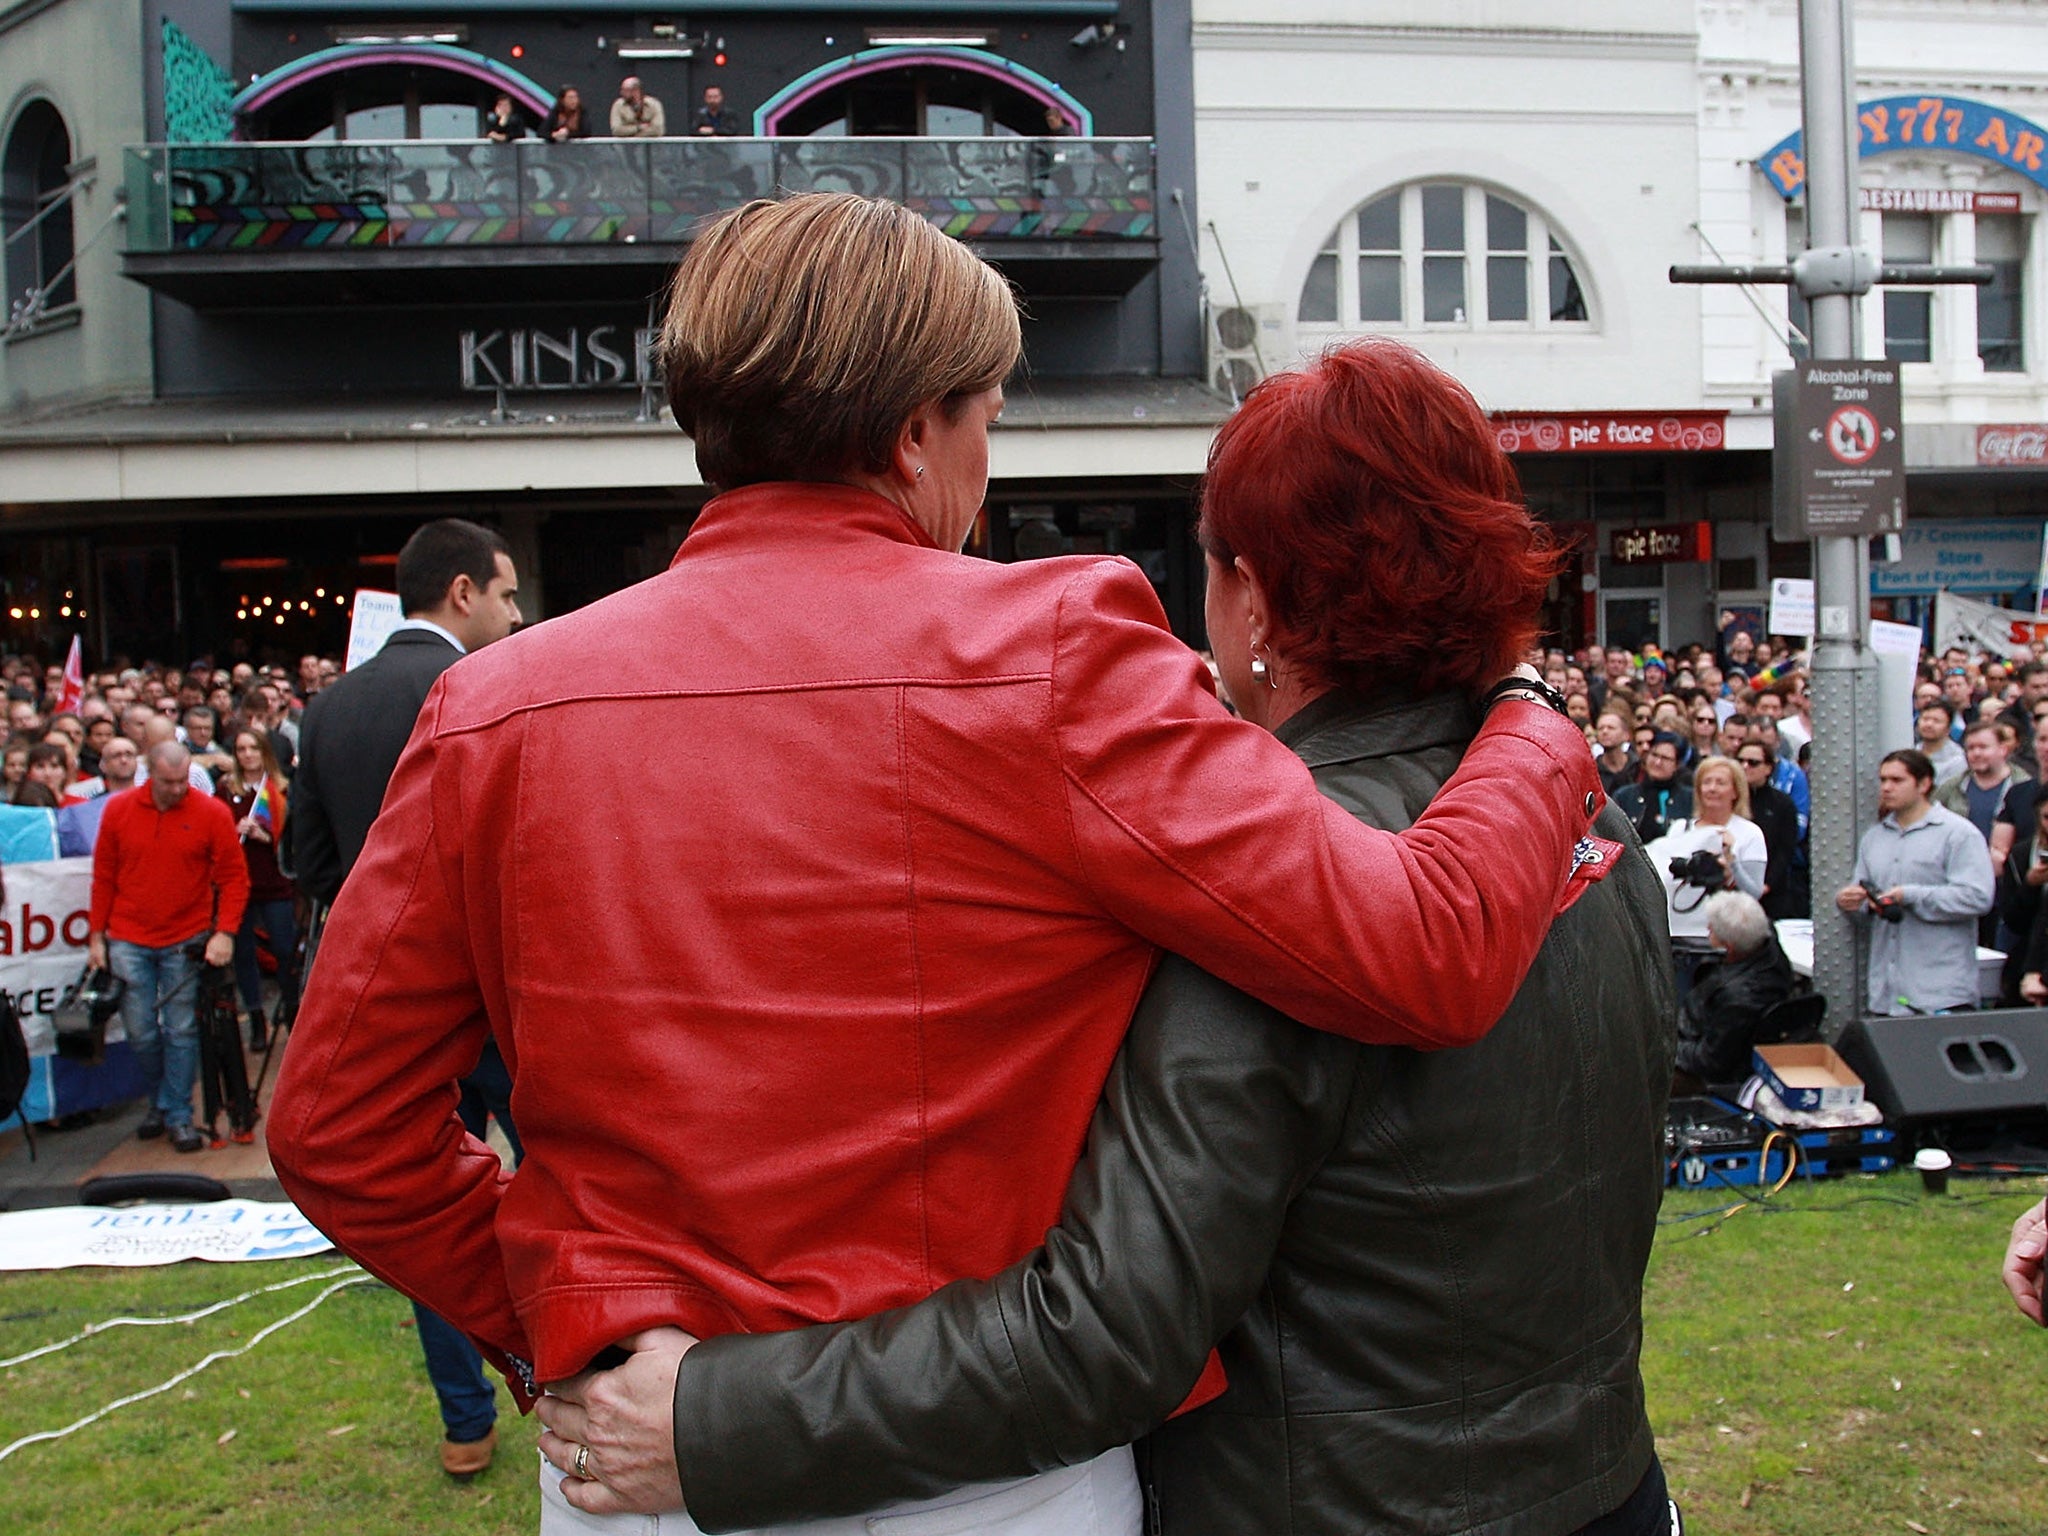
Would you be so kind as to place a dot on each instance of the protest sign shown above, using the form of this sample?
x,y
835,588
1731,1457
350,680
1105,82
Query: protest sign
x,y
43,927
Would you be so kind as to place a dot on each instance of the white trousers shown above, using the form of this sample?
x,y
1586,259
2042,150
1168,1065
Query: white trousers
x,y
1097,1498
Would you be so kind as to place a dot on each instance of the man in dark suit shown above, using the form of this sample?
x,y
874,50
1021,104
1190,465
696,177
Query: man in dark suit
x,y
459,592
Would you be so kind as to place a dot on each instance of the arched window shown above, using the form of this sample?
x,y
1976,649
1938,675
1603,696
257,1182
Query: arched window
x,y
357,91
1454,255
391,101
36,216
923,100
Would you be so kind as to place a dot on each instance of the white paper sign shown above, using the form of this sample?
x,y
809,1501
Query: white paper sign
x,y
1897,648
226,1231
1791,606
370,623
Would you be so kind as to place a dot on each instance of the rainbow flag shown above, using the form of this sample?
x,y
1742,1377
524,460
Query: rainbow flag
x,y
269,806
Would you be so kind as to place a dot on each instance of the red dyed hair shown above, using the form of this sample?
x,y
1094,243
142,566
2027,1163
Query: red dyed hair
x,y
1369,496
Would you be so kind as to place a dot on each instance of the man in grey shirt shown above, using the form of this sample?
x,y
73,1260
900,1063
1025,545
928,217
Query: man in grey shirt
x,y
1923,878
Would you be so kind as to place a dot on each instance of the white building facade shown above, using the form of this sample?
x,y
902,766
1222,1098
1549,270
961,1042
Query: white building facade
x,y
1506,186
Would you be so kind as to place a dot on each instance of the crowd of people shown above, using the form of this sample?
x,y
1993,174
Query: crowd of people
x,y
235,730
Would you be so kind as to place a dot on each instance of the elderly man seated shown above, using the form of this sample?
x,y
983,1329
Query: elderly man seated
x,y
1718,1020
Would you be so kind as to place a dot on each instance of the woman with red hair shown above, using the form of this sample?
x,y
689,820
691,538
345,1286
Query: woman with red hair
x,y
1422,1270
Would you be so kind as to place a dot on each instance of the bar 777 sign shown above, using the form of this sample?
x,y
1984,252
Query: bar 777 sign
x,y
1839,463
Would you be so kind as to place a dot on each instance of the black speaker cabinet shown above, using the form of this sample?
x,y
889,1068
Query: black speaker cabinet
x,y
1938,1067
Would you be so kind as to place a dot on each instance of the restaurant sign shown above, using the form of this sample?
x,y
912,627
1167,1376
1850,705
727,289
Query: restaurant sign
x,y
2022,446
1936,200
1661,544
1611,432
1910,123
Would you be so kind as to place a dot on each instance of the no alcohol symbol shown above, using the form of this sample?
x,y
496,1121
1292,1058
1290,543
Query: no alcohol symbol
x,y
1852,434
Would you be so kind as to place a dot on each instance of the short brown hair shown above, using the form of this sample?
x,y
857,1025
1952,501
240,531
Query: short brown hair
x,y
802,334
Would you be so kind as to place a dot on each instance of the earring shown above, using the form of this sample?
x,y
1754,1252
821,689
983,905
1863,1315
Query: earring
x,y
920,471
1261,673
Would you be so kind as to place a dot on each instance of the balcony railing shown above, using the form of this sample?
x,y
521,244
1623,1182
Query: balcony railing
x,y
273,197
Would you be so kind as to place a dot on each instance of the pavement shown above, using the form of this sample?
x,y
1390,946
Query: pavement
x,y
66,1159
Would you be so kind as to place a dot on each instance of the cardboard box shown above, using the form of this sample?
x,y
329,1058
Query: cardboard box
x,y
1808,1076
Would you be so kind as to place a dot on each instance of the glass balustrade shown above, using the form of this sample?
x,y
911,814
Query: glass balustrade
x,y
237,197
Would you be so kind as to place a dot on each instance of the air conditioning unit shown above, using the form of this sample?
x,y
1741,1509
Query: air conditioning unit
x,y
1246,342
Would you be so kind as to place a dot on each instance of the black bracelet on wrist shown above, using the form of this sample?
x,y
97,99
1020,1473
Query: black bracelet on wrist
x,y
1542,691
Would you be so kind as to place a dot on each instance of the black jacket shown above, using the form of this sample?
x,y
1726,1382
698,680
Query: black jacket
x,y
1425,1268
1717,1025
1651,808
1777,817
349,742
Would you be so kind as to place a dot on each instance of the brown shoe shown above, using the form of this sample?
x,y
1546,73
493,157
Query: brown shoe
x,y
463,1459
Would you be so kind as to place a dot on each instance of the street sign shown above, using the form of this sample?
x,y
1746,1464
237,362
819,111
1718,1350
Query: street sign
x,y
1839,465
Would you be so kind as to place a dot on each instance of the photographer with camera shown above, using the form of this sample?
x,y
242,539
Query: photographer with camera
x,y
1720,849
1926,873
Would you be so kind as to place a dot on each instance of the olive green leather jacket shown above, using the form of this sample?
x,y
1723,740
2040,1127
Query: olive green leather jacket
x,y
1424,1269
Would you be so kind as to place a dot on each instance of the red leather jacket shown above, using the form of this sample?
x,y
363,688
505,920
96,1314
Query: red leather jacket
x,y
807,1015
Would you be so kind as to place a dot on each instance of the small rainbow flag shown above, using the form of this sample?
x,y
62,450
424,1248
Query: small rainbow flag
x,y
269,806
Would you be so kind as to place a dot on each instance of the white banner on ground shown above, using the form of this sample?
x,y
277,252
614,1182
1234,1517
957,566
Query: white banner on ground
x,y
227,1231
42,941
1985,627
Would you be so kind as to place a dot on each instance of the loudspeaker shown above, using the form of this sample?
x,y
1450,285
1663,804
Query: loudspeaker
x,y
1935,1067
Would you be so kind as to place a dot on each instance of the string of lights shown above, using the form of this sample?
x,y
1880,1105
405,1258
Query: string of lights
x,y
277,610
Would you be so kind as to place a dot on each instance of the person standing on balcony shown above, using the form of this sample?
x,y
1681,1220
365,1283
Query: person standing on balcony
x,y
504,124
637,115
713,120
565,120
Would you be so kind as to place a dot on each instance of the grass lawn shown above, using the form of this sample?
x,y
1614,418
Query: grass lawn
x,y
1848,1361
326,1426
1844,1360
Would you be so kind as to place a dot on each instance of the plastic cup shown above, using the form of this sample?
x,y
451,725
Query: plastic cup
x,y
1934,1165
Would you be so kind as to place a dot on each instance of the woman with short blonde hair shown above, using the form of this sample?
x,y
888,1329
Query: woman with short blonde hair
x,y
802,335
1726,768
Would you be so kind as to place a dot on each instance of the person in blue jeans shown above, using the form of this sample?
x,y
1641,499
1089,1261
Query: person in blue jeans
x,y
168,889
469,1402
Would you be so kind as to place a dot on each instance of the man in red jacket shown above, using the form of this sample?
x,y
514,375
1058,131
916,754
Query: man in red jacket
x,y
167,872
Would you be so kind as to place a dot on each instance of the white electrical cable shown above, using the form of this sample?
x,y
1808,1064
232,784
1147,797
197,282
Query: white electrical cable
x,y
189,1372
92,1329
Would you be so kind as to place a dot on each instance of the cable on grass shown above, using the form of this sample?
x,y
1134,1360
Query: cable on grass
x,y
189,1372
1761,1200
90,1329
1794,1158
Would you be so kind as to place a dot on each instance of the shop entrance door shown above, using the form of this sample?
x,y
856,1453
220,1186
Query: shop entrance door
x,y
1631,621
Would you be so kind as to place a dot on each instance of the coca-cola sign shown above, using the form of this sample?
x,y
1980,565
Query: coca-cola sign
x,y
2009,445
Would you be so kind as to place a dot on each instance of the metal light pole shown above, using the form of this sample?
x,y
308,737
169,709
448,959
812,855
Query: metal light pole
x,y
1831,276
